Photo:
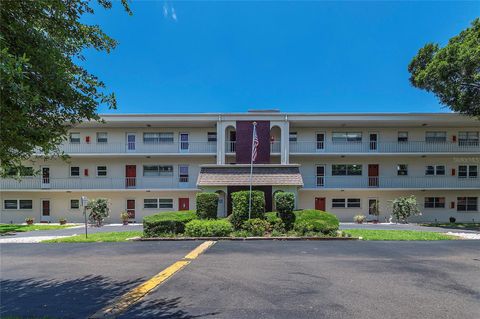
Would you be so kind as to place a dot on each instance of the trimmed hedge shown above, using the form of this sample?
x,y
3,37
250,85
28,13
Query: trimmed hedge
x,y
167,223
240,203
285,203
207,205
208,228
256,226
315,221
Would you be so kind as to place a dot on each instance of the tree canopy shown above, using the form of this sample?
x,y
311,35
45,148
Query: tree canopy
x,y
44,90
452,73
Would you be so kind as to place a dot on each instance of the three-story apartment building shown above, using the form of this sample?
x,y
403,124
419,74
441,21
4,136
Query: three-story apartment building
x,y
342,163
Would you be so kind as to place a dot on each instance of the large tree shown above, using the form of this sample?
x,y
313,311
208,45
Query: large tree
x,y
452,73
44,90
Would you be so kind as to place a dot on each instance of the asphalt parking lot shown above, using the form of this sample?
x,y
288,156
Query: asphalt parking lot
x,y
254,279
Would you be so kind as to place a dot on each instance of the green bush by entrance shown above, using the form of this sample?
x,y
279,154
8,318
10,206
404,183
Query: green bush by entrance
x,y
285,203
207,205
208,228
167,223
315,221
240,203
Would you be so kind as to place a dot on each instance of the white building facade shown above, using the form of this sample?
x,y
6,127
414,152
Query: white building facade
x,y
341,163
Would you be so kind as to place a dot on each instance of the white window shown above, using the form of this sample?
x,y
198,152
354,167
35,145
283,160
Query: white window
x,y
165,203
346,169
150,203
74,171
468,138
183,173
18,204
434,202
346,137
338,202
402,169
320,175
75,138
101,171
353,203
432,170
436,137
157,138
212,136
403,136
102,137
470,171
157,170
74,203
23,171
467,204
346,203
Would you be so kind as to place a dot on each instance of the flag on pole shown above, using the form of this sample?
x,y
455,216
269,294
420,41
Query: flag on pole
x,y
254,144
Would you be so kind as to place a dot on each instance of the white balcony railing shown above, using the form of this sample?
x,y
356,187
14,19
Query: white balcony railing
x,y
99,183
140,147
230,146
383,147
275,147
401,182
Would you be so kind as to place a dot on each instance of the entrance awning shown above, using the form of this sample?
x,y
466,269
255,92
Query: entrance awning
x,y
239,175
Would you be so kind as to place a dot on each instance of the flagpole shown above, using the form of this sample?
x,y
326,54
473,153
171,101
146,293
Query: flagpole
x,y
251,174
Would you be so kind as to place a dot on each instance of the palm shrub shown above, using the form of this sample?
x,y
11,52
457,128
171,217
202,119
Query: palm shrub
x,y
240,202
207,205
405,207
99,210
285,203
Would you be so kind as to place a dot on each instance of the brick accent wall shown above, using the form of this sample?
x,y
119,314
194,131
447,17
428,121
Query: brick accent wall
x,y
243,145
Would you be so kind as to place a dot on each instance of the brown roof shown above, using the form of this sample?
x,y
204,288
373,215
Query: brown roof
x,y
240,176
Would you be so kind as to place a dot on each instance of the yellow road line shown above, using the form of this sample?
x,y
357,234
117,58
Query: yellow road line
x,y
136,294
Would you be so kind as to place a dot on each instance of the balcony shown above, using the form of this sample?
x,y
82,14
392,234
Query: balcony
x,y
140,147
99,183
382,147
400,182
275,147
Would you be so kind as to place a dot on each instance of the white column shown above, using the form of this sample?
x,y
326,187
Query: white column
x,y
285,142
220,142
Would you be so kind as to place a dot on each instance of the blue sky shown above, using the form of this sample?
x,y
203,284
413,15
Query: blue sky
x,y
295,56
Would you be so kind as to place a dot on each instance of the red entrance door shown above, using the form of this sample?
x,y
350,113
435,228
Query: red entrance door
x,y
131,208
130,176
372,175
320,203
183,204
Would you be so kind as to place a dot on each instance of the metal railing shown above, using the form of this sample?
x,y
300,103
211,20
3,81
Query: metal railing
x,y
230,146
98,183
139,147
275,147
383,147
449,182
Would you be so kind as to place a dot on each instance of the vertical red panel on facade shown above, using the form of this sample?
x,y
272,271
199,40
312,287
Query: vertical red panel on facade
x,y
183,204
243,145
130,175
320,203
131,208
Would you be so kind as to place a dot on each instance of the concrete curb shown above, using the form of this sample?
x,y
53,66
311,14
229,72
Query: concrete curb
x,y
239,238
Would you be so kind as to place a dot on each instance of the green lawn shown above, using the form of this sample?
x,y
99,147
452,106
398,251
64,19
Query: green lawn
x,y
5,228
371,234
467,226
98,237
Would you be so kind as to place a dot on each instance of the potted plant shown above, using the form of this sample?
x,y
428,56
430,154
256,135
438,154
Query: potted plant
x,y
359,219
29,220
62,221
124,217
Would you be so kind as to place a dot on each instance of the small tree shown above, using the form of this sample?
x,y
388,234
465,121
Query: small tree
x,y
207,205
99,210
240,202
404,207
285,203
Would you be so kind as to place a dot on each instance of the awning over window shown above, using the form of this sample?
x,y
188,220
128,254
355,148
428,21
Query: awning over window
x,y
239,175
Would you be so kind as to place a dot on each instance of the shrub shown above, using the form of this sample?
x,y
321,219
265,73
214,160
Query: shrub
x,y
256,226
404,207
207,205
285,203
315,221
167,223
240,201
208,228
359,219
99,210
275,223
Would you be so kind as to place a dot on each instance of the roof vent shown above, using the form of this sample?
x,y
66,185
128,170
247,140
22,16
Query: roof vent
x,y
265,111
